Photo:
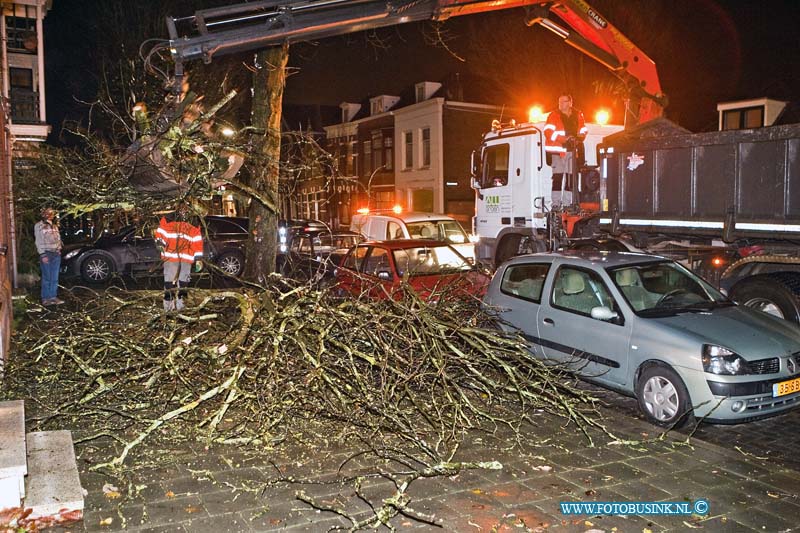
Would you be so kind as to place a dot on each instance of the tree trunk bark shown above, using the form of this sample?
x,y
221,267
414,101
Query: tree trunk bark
x,y
269,81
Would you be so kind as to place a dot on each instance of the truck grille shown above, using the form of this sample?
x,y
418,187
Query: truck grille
x,y
765,366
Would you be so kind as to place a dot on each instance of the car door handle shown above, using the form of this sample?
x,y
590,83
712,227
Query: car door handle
x,y
549,321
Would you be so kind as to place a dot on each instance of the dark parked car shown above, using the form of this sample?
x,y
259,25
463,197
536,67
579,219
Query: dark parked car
x,y
315,255
132,250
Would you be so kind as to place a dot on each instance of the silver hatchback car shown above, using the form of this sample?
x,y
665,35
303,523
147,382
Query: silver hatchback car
x,y
647,326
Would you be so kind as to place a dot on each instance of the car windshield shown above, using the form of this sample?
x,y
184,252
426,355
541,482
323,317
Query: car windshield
x,y
428,260
665,288
440,230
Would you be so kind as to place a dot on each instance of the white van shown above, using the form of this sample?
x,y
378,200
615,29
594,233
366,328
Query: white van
x,y
390,226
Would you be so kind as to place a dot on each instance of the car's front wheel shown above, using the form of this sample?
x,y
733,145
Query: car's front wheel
x,y
663,397
96,269
231,263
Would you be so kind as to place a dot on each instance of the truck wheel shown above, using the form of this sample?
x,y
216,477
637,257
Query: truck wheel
x,y
515,244
775,294
663,397
508,248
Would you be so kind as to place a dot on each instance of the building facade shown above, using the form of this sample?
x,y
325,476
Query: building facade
x,y
413,152
23,71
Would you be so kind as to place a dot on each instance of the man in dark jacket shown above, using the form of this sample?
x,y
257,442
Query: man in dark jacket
x,y
564,133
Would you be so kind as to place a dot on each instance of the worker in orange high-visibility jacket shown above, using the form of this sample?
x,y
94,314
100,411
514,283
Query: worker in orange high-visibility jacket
x,y
181,245
564,133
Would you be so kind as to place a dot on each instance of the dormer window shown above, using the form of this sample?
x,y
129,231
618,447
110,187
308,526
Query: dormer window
x,y
749,114
424,90
381,104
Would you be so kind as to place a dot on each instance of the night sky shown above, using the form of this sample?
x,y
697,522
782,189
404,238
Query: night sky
x,y
707,51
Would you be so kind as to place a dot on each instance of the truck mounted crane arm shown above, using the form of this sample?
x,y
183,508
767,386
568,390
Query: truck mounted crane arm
x,y
253,25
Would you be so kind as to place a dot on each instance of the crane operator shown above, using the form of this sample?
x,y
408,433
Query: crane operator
x,y
564,133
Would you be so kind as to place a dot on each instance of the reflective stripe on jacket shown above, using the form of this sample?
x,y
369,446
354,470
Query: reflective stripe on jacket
x,y
183,243
555,132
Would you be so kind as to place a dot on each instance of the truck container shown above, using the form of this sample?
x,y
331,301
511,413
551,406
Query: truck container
x,y
728,201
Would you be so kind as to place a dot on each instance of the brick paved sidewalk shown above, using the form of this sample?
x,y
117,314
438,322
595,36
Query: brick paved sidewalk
x,y
227,490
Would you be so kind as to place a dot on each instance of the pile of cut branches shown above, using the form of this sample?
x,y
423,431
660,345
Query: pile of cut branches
x,y
248,366
242,364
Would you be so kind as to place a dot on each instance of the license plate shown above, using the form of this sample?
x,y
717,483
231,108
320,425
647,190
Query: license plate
x,y
786,387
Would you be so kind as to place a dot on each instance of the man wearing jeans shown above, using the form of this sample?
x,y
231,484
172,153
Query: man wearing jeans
x,y
48,244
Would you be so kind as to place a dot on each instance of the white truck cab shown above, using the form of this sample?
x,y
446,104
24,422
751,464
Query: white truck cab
x,y
412,225
513,186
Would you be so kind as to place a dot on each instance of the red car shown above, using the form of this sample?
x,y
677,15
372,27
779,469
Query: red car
x,y
432,268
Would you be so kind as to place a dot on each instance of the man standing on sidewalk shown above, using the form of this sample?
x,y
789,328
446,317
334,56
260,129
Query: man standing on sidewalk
x,y
181,244
48,244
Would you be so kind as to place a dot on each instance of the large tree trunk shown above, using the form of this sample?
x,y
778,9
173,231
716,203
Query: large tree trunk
x,y
268,83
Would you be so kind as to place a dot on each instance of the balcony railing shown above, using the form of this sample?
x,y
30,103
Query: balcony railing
x,y
24,106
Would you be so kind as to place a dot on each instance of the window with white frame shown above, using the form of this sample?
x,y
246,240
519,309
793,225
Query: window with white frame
x,y
426,147
408,160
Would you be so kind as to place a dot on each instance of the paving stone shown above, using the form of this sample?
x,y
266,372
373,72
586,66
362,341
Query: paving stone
x,y
553,486
280,517
587,478
756,490
172,528
122,515
788,508
762,520
316,490
571,460
173,510
230,500
322,525
601,455
188,485
513,495
717,523
704,455
640,491
708,476
248,477
653,466
619,472
679,488
745,469
491,518
785,482
225,523
727,499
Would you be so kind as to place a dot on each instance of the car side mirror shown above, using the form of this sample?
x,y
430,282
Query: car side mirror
x,y
384,274
603,313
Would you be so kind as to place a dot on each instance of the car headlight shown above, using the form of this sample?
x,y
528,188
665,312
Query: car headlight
x,y
71,254
722,361
474,239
